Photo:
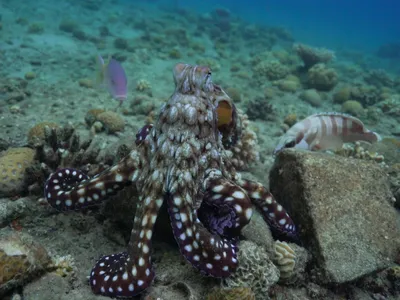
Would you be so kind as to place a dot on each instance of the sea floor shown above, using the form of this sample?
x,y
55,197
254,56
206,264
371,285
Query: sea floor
x,y
47,73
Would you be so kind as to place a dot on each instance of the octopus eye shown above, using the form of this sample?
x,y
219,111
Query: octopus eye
x,y
224,113
290,144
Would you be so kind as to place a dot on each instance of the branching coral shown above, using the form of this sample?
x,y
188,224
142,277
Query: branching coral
x,y
357,151
62,147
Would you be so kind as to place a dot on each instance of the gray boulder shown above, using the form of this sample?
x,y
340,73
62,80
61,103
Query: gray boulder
x,y
343,206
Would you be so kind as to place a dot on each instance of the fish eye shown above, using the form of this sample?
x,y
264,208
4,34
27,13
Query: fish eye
x,y
290,144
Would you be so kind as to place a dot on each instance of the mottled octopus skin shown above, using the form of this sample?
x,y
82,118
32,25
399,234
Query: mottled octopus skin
x,y
179,160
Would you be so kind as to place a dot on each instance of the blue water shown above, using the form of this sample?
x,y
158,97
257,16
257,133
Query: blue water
x,y
363,25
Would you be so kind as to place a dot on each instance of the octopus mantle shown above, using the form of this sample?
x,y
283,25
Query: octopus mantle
x,y
180,160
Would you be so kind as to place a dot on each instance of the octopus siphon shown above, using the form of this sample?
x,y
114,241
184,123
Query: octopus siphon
x,y
181,161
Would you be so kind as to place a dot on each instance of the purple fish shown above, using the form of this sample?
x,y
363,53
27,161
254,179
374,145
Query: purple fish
x,y
112,76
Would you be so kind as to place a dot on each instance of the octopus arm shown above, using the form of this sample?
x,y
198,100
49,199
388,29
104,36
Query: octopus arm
x,y
71,189
273,213
211,250
127,274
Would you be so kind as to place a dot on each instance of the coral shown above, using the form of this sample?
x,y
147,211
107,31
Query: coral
x,y
12,266
30,75
36,28
394,180
13,165
284,259
86,83
143,104
63,265
68,26
322,78
270,93
79,34
174,54
21,259
104,31
91,115
121,43
365,94
210,62
235,68
391,106
15,109
393,275
378,78
287,85
234,94
312,56
311,96
290,119
14,89
357,151
389,51
91,4
342,95
36,134
255,270
238,293
62,147
259,108
353,107
111,121
271,70
144,86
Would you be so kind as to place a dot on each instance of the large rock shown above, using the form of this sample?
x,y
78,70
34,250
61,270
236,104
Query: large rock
x,y
343,206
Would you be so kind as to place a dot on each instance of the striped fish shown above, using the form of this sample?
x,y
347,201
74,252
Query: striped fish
x,y
325,131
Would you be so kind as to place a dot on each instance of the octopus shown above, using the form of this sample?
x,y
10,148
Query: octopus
x,y
180,161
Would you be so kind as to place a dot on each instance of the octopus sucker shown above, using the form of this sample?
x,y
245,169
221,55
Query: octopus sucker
x,y
180,160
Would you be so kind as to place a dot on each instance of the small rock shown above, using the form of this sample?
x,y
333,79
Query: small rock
x,y
21,259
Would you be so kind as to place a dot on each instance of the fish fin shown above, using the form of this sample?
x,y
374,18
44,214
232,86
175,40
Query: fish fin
x,y
100,70
332,113
332,142
339,114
